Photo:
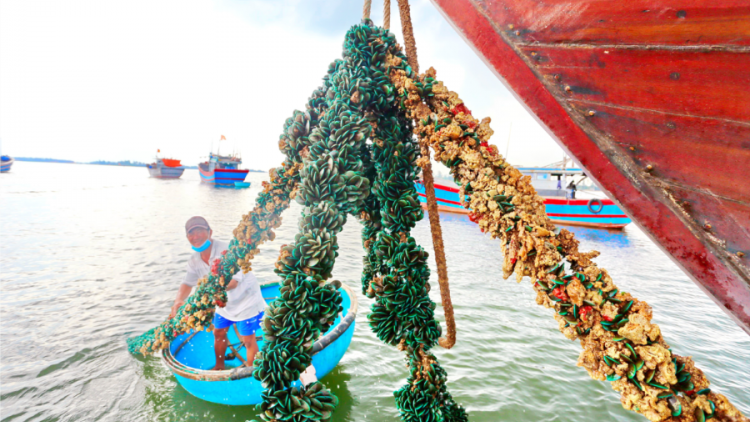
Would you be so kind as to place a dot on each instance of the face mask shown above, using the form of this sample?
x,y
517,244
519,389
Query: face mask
x,y
203,247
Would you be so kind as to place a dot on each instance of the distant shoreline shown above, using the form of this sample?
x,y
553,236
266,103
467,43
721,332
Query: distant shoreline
x,y
126,163
44,160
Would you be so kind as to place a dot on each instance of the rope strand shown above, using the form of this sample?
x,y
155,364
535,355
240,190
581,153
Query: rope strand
x,y
429,186
366,9
410,44
387,14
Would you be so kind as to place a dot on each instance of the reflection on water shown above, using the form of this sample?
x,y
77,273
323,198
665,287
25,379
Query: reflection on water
x,y
92,255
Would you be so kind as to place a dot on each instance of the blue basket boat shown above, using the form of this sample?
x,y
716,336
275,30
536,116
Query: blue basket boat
x,y
190,356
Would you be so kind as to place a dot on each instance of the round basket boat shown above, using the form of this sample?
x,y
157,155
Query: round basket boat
x,y
190,356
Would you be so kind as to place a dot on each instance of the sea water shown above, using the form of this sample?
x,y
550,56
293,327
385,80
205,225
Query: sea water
x,y
91,255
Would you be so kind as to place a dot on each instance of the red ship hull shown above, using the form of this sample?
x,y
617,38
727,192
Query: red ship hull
x,y
651,98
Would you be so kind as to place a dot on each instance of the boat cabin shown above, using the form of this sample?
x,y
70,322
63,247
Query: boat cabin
x,y
554,182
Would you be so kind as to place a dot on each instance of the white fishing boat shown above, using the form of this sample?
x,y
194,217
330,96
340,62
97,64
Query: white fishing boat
x,y
166,168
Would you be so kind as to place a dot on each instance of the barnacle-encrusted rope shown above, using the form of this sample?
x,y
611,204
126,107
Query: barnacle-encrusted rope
x,y
361,143
429,187
620,344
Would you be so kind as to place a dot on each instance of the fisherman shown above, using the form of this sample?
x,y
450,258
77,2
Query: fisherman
x,y
245,303
572,190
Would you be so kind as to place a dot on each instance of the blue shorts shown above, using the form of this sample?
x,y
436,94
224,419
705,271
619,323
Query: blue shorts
x,y
247,327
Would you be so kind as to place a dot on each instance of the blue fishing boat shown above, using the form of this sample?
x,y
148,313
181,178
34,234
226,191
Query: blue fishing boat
x,y
222,170
566,203
5,163
191,355
558,186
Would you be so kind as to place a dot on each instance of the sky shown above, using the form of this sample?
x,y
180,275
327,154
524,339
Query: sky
x,y
113,80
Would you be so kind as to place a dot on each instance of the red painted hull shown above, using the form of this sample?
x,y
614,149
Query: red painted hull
x,y
651,98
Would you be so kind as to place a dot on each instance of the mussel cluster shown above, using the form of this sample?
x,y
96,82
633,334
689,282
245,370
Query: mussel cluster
x,y
312,402
396,270
332,185
620,344
361,144
307,305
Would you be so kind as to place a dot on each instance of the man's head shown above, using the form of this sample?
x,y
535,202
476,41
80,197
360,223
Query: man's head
x,y
198,231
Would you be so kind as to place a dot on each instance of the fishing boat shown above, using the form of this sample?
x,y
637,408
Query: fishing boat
x,y
191,355
165,168
564,201
222,170
651,99
5,163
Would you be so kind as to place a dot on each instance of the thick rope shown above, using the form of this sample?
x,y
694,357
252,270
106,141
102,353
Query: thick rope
x,y
429,186
387,14
410,43
366,9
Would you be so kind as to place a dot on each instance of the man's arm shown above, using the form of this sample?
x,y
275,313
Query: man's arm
x,y
232,284
236,279
182,293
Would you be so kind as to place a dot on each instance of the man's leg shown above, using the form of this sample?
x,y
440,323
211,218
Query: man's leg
x,y
220,347
247,329
251,344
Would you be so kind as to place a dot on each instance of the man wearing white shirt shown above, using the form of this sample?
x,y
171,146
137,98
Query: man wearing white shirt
x,y
245,304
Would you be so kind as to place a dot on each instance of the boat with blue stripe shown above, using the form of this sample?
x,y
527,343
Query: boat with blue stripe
x,y
191,355
6,162
222,170
561,205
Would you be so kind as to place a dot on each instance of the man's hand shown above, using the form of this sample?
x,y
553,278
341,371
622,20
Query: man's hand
x,y
182,293
176,307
